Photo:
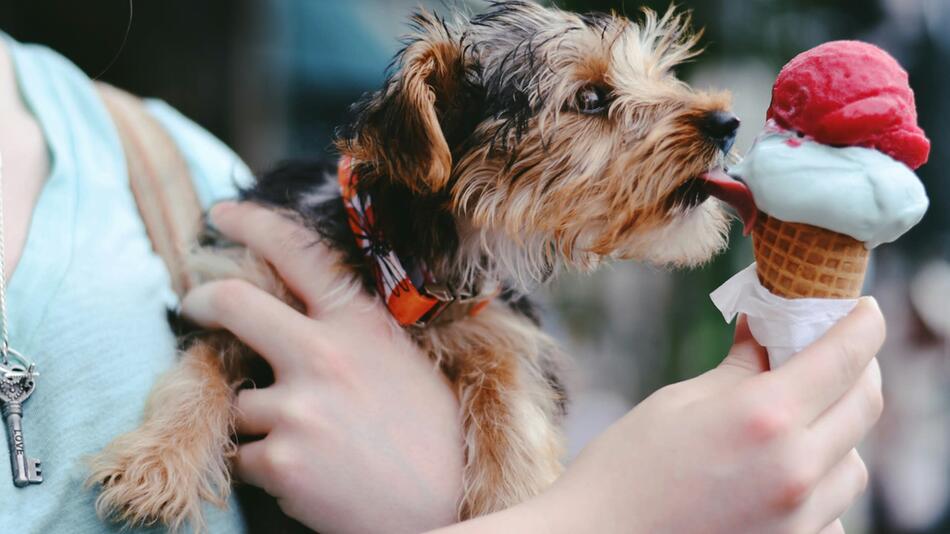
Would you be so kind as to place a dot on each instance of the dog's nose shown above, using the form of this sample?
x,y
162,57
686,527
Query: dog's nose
x,y
720,127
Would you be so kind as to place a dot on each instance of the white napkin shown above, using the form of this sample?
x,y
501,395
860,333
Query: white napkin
x,y
783,326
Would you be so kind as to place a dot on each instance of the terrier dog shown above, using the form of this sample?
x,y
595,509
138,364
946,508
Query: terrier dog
x,y
501,149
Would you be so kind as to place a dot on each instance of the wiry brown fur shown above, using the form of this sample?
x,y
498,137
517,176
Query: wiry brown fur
x,y
481,165
509,411
180,456
180,452
577,189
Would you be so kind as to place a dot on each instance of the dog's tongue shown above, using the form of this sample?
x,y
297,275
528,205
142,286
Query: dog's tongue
x,y
733,192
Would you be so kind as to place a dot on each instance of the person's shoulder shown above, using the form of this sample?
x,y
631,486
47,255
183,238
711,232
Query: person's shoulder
x,y
45,75
40,56
216,169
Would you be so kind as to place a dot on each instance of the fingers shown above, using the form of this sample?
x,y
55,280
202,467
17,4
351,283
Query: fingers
x,y
269,464
251,464
746,357
308,267
835,493
270,327
846,423
818,376
255,412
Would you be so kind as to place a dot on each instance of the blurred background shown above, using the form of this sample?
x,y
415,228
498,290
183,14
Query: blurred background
x,y
272,78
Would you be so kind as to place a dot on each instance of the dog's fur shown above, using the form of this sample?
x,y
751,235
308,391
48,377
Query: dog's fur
x,y
481,162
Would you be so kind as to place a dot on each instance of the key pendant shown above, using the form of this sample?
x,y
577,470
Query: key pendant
x,y
16,386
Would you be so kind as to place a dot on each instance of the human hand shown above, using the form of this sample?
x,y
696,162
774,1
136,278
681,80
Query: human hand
x,y
361,430
736,449
740,450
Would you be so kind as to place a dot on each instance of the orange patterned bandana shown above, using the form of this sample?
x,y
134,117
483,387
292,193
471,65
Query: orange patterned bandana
x,y
415,299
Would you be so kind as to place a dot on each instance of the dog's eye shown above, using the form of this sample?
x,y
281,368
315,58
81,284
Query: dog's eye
x,y
591,100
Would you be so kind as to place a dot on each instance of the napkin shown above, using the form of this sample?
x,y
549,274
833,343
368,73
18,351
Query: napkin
x,y
783,326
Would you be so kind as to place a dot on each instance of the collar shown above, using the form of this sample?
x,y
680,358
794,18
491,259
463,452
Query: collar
x,y
413,296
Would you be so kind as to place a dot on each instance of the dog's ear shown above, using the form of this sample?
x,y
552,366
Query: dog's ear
x,y
400,128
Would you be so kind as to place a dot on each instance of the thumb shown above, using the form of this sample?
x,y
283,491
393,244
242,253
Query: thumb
x,y
746,357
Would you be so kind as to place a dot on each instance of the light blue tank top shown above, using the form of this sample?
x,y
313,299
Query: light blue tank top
x,y
88,297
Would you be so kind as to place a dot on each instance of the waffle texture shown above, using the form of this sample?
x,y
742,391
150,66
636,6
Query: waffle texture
x,y
796,260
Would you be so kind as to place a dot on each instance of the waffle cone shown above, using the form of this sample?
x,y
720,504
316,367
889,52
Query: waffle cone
x,y
795,260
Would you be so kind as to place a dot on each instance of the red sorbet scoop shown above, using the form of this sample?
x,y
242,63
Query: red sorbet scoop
x,y
849,93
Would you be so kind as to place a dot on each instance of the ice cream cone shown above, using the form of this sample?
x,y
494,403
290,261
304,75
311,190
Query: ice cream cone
x,y
795,260
837,156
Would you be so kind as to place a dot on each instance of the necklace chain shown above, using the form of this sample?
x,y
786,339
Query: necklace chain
x,y
4,338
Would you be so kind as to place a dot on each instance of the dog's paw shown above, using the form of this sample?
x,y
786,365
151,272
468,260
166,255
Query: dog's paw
x,y
148,479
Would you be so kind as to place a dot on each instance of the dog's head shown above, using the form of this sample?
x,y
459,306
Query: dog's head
x,y
556,138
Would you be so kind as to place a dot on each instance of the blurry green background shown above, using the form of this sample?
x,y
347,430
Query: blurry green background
x,y
274,77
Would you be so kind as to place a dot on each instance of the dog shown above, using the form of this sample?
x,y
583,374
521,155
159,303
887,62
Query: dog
x,y
502,149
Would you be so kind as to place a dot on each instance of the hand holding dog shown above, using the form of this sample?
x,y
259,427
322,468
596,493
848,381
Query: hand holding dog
x,y
361,431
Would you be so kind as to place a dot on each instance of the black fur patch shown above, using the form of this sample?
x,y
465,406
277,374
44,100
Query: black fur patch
x,y
288,187
521,304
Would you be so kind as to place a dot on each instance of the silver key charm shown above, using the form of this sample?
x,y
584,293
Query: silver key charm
x,y
16,385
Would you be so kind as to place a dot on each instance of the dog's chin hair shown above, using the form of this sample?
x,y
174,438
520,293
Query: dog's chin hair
x,y
690,240
491,256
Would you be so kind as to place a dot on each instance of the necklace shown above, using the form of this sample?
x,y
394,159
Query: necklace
x,y
17,381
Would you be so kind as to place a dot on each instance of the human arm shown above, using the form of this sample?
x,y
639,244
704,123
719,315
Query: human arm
x,y
735,449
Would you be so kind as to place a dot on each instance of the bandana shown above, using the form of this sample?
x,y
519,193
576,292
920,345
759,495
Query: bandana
x,y
413,297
